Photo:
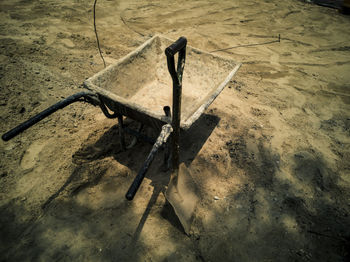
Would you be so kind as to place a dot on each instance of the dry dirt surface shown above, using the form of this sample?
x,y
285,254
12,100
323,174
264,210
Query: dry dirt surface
x,y
270,157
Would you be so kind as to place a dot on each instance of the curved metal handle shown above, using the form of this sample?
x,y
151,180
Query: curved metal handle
x,y
35,119
176,46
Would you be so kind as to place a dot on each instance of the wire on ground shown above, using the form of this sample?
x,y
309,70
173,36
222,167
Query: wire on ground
x,y
98,42
265,43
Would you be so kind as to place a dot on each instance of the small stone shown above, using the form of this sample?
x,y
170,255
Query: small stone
x,y
216,198
24,199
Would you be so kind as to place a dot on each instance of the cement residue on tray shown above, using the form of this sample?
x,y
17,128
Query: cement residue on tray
x,y
142,78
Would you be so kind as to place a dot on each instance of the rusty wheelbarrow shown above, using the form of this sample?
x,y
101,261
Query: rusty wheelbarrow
x,y
138,87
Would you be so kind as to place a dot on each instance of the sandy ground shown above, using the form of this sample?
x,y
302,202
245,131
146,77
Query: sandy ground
x,y
271,156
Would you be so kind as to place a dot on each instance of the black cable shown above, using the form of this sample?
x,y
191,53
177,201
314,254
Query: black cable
x,y
98,42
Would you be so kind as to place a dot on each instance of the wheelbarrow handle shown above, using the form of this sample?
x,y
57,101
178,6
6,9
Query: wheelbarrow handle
x,y
35,119
162,139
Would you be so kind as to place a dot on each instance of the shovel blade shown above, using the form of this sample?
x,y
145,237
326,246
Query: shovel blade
x,y
182,194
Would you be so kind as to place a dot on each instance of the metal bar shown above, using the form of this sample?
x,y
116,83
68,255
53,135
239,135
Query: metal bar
x,y
35,119
121,132
162,138
105,110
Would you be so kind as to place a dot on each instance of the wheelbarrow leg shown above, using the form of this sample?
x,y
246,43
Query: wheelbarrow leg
x,y
121,132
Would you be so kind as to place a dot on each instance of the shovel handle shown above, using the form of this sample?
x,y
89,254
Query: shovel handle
x,y
176,46
35,119
176,75
162,138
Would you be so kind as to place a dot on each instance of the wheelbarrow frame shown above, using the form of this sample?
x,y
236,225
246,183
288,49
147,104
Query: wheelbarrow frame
x,y
137,112
119,107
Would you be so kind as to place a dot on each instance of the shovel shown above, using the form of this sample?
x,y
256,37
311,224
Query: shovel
x,y
181,192
182,195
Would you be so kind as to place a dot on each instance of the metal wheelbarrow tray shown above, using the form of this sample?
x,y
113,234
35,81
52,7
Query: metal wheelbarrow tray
x,y
138,86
